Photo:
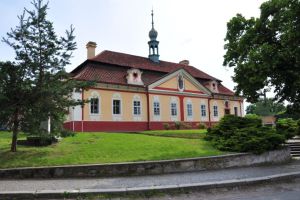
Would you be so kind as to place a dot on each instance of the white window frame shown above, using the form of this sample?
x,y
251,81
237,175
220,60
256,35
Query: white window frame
x,y
137,117
116,117
205,111
95,95
156,117
215,111
174,101
189,103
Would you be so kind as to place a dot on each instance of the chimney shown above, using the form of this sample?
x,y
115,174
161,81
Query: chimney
x,y
184,62
91,47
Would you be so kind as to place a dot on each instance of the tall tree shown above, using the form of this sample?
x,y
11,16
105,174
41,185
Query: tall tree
x,y
36,85
265,51
265,107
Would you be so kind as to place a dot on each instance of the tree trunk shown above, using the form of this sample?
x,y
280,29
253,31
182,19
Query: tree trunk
x,y
15,131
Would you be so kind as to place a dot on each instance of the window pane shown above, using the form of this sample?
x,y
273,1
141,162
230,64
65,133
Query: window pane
x,y
156,108
94,106
203,110
189,110
216,111
136,107
116,107
173,109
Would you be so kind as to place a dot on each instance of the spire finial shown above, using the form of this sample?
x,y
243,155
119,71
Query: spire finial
x,y
152,18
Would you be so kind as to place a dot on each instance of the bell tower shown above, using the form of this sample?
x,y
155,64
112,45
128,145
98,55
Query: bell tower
x,y
153,43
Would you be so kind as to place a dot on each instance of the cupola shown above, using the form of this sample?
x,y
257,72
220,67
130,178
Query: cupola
x,y
153,43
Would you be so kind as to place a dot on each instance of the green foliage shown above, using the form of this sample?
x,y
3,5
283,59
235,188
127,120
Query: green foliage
x,y
264,51
36,86
67,133
166,126
265,107
201,126
178,125
288,127
247,134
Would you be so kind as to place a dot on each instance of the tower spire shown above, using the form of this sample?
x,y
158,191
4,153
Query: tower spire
x,y
153,43
152,18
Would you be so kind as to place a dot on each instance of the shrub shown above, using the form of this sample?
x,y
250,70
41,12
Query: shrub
x,y
67,133
244,135
178,125
287,127
186,125
201,126
166,126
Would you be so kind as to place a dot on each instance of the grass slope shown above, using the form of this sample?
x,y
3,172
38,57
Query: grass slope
x,y
193,134
88,148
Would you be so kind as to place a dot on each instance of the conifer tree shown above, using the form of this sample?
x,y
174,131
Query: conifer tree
x,y
36,86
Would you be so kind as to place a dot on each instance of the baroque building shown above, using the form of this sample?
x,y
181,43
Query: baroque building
x,y
134,93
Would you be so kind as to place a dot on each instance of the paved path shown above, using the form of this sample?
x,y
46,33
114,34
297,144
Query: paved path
x,y
148,181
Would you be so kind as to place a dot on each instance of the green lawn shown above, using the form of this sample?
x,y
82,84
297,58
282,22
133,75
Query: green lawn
x,y
193,134
87,148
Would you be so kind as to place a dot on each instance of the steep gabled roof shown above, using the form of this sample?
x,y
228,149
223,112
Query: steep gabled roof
x,y
132,61
111,67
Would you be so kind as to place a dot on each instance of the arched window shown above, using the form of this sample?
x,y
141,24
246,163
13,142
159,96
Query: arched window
x,y
137,105
189,110
94,103
174,109
116,104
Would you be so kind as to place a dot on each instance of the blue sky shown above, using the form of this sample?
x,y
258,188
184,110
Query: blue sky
x,y
191,29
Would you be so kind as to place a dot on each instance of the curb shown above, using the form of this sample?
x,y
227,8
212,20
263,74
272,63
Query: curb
x,y
227,184
149,167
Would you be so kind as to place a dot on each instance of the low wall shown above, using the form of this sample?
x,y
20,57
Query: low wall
x,y
150,167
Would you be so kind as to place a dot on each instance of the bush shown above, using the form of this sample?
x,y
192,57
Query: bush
x,y
177,125
67,133
201,126
166,126
287,127
244,135
186,125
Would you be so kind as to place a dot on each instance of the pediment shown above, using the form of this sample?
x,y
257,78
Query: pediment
x,y
179,81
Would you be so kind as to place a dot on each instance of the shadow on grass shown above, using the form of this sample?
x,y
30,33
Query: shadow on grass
x,y
23,157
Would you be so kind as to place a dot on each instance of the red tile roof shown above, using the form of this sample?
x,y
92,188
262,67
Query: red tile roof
x,y
111,67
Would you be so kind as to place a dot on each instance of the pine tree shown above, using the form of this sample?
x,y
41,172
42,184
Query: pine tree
x,y
43,87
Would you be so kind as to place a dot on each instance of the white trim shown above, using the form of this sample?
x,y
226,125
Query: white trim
x,y
215,118
203,118
189,102
156,117
172,101
186,76
116,117
95,116
135,116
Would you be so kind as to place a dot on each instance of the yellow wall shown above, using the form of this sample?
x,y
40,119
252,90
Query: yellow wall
x,y
171,83
106,106
189,86
165,110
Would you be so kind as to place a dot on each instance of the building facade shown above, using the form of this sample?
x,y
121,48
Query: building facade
x,y
134,93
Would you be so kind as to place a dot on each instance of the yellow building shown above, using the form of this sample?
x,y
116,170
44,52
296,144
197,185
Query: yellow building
x,y
136,93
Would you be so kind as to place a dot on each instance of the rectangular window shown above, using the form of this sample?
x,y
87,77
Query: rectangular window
x,y
216,113
94,106
203,111
136,107
116,107
156,108
189,110
235,111
173,109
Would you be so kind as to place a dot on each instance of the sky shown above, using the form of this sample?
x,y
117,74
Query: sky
x,y
191,30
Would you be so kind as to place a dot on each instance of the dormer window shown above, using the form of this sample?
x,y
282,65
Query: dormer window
x,y
214,86
134,76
